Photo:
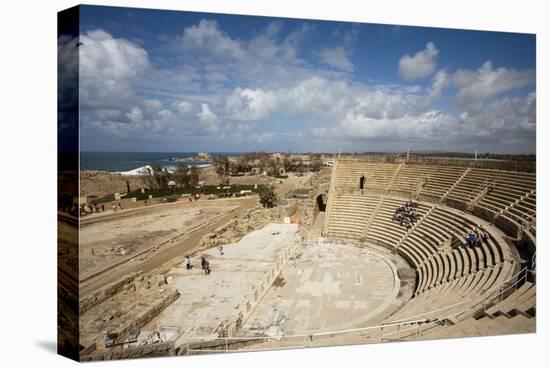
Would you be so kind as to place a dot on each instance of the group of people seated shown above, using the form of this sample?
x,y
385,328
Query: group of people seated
x,y
476,236
91,208
407,214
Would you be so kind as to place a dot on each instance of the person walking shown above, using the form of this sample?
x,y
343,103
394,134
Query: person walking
x,y
205,266
188,262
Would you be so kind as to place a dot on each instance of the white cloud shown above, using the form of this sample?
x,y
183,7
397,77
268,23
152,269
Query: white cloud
x,y
135,115
505,125
206,114
476,86
109,69
184,106
265,60
421,65
250,104
152,105
336,57
358,126
206,39
264,47
440,82
265,76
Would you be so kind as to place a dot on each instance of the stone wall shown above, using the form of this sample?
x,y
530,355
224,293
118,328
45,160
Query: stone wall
x,y
102,183
508,225
235,229
106,292
251,180
233,323
121,307
149,350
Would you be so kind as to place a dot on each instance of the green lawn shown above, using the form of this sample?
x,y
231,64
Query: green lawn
x,y
207,190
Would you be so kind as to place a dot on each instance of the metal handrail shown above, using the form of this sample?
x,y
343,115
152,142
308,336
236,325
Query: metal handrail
x,y
268,337
309,338
410,324
499,286
488,301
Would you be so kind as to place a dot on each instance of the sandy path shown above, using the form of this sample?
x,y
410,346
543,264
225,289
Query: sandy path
x,y
109,243
178,248
291,183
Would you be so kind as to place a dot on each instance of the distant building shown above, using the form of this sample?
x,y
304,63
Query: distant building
x,y
203,155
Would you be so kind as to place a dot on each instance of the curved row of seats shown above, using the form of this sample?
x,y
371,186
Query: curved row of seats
x,y
512,195
350,214
435,246
515,314
448,271
512,191
437,179
449,262
378,175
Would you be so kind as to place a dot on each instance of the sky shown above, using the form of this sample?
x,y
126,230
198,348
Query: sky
x,y
182,81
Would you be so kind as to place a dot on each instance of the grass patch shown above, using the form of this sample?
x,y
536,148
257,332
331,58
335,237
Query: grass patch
x,y
205,190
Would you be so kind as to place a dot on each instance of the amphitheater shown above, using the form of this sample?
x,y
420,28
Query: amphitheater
x,y
358,277
451,279
453,290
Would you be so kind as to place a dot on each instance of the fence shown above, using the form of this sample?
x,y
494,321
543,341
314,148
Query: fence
x,y
409,328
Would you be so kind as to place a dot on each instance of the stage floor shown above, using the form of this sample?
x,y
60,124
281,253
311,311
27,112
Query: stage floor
x,y
328,287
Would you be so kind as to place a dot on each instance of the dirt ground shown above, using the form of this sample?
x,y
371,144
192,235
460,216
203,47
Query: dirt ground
x,y
291,183
153,236
106,243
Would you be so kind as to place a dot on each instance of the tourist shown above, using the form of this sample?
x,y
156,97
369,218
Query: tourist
x,y
478,239
221,249
102,207
188,262
205,266
471,239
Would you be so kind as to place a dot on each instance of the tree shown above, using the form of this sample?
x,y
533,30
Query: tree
x,y
272,168
159,177
233,168
268,198
299,165
182,175
287,163
222,165
316,164
193,176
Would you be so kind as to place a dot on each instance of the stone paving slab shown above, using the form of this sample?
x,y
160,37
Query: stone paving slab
x,y
328,287
206,300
